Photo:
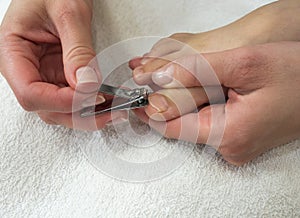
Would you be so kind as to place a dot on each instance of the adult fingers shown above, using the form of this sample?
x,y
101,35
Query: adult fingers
x,y
167,104
135,62
72,21
19,65
74,121
206,126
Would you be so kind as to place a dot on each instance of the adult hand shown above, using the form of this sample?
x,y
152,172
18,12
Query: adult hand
x,y
262,110
46,46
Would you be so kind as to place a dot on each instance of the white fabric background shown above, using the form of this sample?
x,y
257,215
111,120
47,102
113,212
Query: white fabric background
x,y
3,8
43,172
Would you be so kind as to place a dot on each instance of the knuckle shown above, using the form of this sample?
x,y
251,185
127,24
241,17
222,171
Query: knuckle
x,y
236,152
65,15
237,139
66,12
235,147
5,43
80,53
248,58
2,36
249,61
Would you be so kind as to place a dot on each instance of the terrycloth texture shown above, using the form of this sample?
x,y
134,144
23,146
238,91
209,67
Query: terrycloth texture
x,y
43,172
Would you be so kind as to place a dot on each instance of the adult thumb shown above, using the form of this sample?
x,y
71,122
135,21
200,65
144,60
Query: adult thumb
x,y
73,25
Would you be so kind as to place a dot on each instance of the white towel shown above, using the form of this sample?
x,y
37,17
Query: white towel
x,y
44,173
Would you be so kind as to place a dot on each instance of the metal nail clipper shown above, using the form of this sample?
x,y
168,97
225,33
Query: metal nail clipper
x,y
123,99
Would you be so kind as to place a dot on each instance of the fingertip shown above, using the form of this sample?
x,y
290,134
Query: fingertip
x,y
160,108
163,76
157,117
141,77
145,60
88,79
135,62
138,71
158,102
94,100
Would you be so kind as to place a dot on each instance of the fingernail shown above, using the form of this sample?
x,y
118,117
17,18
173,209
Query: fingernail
x,y
138,71
116,121
163,77
157,117
145,61
140,76
99,99
86,75
159,102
